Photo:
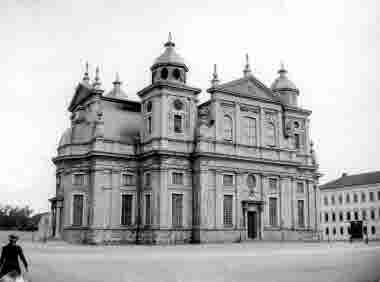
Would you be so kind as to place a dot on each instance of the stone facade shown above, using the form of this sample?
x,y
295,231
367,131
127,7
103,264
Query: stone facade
x,y
169,170
351,199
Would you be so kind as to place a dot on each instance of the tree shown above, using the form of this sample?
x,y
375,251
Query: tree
x,y
16,218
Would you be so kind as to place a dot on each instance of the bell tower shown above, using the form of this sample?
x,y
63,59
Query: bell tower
x,y
169,105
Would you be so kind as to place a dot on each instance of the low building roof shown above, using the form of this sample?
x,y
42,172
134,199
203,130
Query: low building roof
x,y
354,179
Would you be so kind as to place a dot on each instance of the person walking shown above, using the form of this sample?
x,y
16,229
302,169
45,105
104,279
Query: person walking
x,y
9,257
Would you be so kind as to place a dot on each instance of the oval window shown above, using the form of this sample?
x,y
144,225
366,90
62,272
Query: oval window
x,y
164,73
176,74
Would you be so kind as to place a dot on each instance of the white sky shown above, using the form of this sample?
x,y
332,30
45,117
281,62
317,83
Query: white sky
x,y
329,47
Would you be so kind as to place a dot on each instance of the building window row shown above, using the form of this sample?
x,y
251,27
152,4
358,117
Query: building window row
x,y
355,198
334,229
362,215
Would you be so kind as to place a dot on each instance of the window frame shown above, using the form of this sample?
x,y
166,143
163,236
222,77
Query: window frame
x,y
177,173
147,183
301,220
228,128
175,120
126,175
73,194
273,217
76,174
180,216
146,195
228,184
228,218
133,205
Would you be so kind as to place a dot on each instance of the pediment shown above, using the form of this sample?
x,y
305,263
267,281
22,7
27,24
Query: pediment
x,y
248,86
81,93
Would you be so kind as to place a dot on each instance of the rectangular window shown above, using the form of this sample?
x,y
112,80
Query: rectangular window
x,y
148,216
249,130
301,217
127,179
273,184
300,188
78,179
177,210
147,179
378,195
228,180
77,210
297,143
371,196
177,178
348,216
227,210
356,214
273,211
126,209
177,123
149,124
58,180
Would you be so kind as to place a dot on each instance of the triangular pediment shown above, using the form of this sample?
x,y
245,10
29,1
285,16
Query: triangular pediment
x,y
81,93
247,86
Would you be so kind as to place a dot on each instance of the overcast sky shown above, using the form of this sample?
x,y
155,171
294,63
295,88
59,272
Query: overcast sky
x,y
330,48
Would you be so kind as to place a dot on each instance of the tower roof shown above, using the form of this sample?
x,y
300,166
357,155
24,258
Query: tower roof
x,y
117,92
170,56
283,82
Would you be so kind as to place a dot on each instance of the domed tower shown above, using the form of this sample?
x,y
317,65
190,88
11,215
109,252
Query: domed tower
x,y
286,89
169,66
168,103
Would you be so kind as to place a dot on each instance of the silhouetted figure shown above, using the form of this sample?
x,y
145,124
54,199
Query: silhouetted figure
x,y
9,257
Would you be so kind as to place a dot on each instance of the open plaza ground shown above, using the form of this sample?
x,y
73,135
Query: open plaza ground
x,y
248,261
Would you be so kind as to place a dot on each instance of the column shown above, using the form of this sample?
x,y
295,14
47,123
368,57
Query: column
x,y
58,209
292,201
263,213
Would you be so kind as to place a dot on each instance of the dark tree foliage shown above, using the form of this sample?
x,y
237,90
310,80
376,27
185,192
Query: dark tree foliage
x,y
17,218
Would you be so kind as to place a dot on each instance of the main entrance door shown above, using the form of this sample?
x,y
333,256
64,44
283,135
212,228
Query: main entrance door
x,y
356,229
252,224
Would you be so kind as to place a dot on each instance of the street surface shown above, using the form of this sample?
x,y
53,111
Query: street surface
x,y
244,262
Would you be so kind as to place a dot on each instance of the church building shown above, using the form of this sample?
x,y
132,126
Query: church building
x,y
167,169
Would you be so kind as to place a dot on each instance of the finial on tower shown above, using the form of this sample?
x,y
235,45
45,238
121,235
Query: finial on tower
x,y
117,79
170,42
97,83
215,80
86,77
282,70
247,69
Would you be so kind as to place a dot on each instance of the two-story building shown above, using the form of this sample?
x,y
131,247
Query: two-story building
x,y
167,169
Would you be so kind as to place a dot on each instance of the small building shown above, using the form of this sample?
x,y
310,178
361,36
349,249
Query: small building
x,y
350,205
167,169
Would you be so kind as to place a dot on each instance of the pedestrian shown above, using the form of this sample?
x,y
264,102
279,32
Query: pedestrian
x,y
9,257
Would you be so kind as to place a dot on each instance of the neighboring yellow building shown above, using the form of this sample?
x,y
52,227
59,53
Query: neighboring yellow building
x,y
351,205
165,170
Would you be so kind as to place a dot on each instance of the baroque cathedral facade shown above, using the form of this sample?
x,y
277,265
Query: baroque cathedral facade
x,y
166,169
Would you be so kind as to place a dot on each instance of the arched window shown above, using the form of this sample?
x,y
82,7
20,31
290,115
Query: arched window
x,y
372,214
164,73
348,215
227,128
363,197
326,217
341,230
355,198
334,231
327,231
333,216
348,198
373,230
340,199
356,214
364,215
176,74
333,200
340,216
271,134
326,200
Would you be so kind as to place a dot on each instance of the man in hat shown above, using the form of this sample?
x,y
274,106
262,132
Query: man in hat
x,y
9,257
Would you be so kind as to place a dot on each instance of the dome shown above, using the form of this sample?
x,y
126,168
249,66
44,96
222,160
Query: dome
x,y
65,138
170,56
282,82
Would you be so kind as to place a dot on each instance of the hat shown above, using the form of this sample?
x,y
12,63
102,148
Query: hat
x,y
13,237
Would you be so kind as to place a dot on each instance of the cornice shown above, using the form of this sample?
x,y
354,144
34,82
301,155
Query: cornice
x,y
170,85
